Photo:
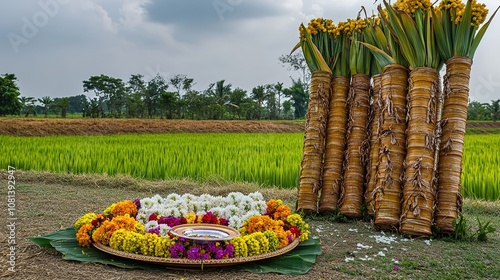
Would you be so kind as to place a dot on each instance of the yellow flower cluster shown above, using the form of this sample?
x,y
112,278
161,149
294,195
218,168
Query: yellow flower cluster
x,y
240,246
296,220
456,9
85,219
126,240
348,27
124,207
479,13
411,6
108,210
273,240
148,244
320,25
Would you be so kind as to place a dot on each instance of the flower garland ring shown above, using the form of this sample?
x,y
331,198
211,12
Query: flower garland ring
x,y
247,228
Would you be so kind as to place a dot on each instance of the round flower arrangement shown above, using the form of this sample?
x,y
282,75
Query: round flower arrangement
x,y
142,226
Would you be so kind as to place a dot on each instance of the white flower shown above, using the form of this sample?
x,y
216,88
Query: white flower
x,y
188,197
257,196
171,212
250,214
231,211
173,197
151,225
164,229
218,211
235,222
259,206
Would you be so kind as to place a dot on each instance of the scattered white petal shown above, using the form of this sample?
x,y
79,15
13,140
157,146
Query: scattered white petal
x,y
404,249
380,254
428,242
353,229
385,249
359,245
384,239
395,261
354,252
348,259
344,241
318,230
366,258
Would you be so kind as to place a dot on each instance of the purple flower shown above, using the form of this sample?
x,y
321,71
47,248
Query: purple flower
x,y
171,221
396,268
194,253
155,230
137,203
229,251
177,251
290,238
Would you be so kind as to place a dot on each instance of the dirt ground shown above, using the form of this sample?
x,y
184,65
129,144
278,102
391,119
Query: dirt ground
x,y
50,126
46,203
43,127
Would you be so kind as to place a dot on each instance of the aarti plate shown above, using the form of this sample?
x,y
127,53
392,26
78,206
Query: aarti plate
x,y
204,233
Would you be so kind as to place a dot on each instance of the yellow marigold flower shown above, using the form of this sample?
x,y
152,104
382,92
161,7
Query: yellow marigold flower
x,y
263,241
125,207
253,245
162,247
148,244
240,246
117,239
190,218
139,227
272,239
85,219
83,236
108,210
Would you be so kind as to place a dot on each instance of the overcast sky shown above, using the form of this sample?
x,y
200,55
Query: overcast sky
x,y
53,45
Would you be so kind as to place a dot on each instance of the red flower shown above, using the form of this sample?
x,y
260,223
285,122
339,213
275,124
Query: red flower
x,y
183,220
95,223
224,222
153,217
295,231
209,218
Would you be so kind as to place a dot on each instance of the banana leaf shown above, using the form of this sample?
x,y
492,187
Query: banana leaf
x,y
298,261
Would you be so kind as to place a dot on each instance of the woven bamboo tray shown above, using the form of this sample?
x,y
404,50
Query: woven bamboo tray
x,y
195,263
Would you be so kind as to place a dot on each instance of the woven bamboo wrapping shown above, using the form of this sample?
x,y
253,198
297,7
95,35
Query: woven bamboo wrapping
x,y
456,97
335,145
419,186
391,147
374,128
356,148
314,142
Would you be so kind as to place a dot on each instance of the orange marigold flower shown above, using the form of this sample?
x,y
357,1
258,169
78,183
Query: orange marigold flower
x,y
124,207
282,212
272,205
83,235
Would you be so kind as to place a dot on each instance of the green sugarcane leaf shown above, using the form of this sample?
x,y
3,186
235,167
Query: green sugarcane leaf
x,y
380,56
416,48
397,30
463,32
443,44
479,36
295,48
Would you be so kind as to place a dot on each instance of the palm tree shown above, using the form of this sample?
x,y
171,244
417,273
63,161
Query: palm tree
x,y
278,87
259,95
494,109
221,95
46,101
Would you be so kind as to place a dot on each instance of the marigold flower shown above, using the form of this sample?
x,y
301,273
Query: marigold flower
x,y
125,207
85,219
83,236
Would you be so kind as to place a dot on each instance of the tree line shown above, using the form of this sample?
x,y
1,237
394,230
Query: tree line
x,y
174,98
166,97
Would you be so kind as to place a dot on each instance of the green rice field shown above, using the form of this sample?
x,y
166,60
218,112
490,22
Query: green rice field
x,y
269,159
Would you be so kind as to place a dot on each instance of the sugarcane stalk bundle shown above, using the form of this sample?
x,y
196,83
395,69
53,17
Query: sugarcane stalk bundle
x,y
393,142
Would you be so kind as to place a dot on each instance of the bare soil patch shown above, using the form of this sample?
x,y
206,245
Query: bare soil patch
x,y
354,250
44,127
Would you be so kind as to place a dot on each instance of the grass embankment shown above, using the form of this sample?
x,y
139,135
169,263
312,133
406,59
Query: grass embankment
x,y
48,202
